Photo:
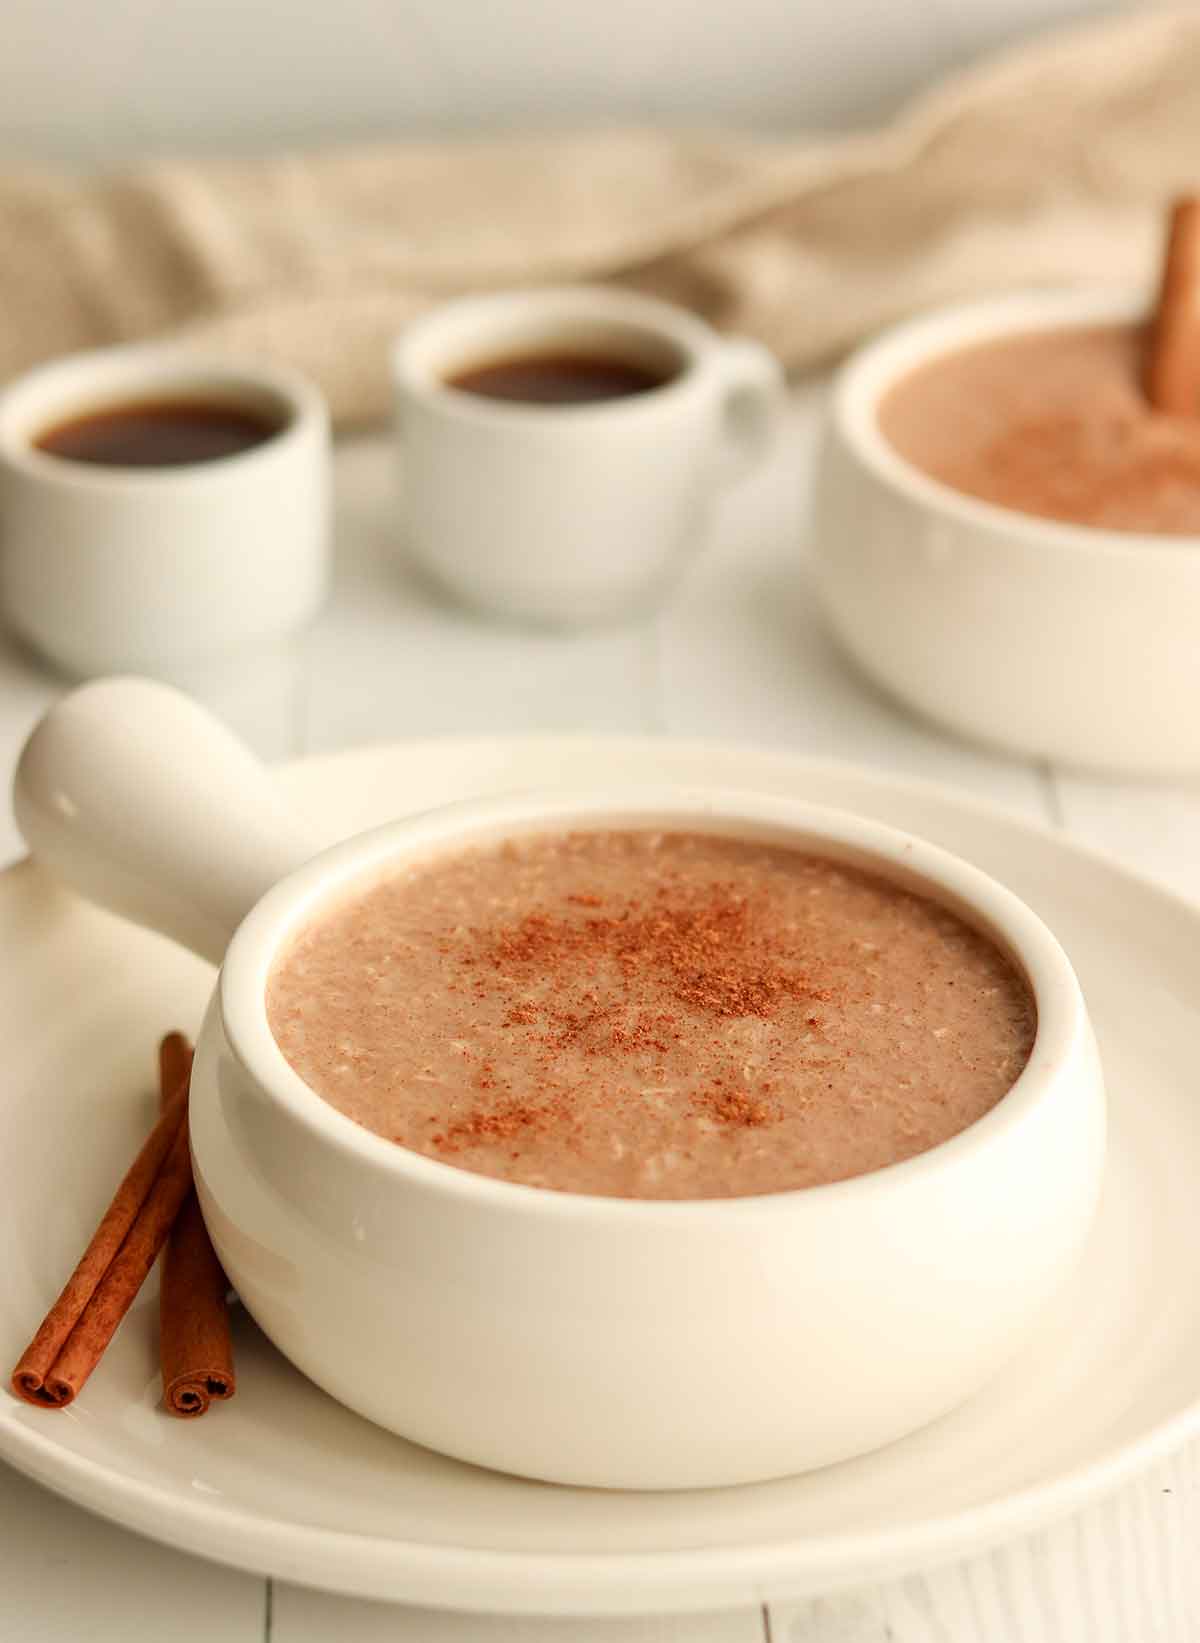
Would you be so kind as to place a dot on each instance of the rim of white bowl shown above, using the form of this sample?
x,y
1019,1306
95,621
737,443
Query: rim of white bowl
x,y
981,900
878,365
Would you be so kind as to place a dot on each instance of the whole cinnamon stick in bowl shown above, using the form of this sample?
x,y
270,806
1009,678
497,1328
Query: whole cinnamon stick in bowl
x,y
1172,378
195,1348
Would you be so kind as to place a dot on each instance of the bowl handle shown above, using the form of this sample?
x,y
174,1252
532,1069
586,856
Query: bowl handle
x,y
142,802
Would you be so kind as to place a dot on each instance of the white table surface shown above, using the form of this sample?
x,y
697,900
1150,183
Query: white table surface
x,y
739,654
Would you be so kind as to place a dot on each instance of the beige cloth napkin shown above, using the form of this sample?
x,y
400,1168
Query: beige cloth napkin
x,y
1050,163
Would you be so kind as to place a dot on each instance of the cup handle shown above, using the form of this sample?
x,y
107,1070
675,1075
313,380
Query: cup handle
x,y
142,802
752,391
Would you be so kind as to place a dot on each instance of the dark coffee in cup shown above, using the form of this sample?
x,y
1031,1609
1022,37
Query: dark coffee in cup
x,y
160,433
558,378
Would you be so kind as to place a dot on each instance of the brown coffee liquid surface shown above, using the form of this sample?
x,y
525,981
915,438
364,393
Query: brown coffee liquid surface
x,y
157,434
1053,423
558,379
650,1015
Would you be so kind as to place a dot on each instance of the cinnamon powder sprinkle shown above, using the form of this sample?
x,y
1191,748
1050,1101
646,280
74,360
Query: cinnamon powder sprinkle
x,y
650,1015
501,1123
736,1107
708,951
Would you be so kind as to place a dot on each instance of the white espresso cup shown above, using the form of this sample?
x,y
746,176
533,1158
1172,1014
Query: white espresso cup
x,y
568,514
105,568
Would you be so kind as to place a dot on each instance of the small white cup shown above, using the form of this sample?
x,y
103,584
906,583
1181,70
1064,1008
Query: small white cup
x,y
571,514
107,568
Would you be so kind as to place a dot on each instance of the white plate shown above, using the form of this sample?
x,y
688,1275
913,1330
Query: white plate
x,y
286,1482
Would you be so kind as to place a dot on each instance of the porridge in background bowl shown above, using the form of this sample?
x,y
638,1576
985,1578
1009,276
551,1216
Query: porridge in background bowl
x,y
1054,423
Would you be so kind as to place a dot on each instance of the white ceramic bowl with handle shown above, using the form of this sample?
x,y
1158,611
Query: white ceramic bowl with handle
x,y
1047,639
580,1339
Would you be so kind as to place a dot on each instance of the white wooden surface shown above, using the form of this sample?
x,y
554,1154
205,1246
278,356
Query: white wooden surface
x,y
739,654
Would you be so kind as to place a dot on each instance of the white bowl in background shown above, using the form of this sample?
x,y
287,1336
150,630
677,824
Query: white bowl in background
x,y
1051,640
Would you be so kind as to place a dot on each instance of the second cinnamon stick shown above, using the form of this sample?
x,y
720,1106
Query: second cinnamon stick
x,y
195,1348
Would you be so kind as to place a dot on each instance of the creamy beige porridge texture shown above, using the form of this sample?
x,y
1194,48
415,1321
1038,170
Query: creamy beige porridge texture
x,y
650,1015
1052,423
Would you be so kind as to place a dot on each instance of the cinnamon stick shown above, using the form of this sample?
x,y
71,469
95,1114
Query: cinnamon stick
x,y
174,1067
1172,377
117,1290
195,1348
79,1325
